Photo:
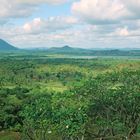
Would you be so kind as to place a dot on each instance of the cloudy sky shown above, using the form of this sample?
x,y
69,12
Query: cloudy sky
x,y
78,23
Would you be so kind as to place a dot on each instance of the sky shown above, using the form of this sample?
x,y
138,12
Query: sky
x,y
77,23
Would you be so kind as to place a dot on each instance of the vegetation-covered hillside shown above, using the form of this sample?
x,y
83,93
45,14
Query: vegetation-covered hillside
x,y
4,46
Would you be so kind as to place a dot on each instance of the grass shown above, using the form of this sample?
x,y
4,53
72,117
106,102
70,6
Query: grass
x,y
53,86
9,135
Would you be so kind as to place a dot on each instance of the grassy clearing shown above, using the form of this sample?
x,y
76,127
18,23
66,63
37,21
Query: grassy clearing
x,y
9,136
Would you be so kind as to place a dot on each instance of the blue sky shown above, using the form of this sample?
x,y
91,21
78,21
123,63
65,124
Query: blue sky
x,y
45,11
78,23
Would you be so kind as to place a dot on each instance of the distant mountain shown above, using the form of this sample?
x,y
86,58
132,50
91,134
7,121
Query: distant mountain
x,y
61,48
4,46
66,50
90,52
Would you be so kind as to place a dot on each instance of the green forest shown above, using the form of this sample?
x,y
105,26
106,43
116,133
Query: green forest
x,y
50,98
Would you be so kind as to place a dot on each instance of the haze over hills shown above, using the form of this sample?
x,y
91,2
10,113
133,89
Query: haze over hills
x,y
91,52
67,50
62,48
5,46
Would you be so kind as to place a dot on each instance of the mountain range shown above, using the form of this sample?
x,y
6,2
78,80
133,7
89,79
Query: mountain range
x,y
67,50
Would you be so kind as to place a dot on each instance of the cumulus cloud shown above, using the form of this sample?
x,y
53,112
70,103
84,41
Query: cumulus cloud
x,y
104,11
86,36
13,9
51,24
100,10
125,32
133,6
22,8
122,31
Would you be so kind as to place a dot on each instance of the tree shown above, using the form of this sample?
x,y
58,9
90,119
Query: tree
x,y
115,110
37,118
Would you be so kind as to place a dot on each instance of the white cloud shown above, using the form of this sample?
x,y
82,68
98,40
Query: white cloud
x,y
122,31
22,8
133,6
104,11
100,10
51,24
13,9
125,32
41,33
86,36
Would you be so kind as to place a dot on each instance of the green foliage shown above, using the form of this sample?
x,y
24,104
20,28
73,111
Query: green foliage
x,y
114,107
69,99
37,114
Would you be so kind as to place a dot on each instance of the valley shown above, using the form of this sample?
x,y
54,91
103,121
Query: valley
x,y
54,96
